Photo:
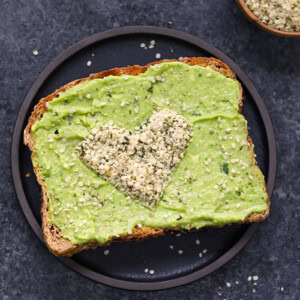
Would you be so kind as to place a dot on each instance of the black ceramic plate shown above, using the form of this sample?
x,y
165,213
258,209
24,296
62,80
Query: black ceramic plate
x,y
124,266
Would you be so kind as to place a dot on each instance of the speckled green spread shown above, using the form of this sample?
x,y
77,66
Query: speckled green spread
x,y
212,185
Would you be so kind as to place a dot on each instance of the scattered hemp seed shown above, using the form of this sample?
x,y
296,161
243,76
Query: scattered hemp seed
x,y
249,278
180,252
35,52
255,277
146,270
151,272
228,284
89,63
197,242
106,252
171,247
158,56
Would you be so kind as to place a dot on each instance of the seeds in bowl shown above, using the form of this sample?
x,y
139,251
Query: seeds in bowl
x,y
280,14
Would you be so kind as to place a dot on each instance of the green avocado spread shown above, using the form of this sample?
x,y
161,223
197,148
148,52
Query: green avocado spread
x,y
215,182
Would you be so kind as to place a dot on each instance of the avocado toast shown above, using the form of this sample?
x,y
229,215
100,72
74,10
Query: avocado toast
x,y
216,182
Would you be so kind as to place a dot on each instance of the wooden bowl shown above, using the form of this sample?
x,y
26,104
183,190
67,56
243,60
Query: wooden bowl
x,y
252,17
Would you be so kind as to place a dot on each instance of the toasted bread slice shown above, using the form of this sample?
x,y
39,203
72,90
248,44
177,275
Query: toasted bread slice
x,y
60,246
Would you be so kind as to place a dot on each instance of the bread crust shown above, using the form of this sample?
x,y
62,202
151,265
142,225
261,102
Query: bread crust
x,y
60,246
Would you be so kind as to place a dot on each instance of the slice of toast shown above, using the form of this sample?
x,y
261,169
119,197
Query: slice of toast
x,y
60,246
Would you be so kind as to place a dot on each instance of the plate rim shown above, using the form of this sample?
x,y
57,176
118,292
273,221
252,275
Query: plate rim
x,y
18,132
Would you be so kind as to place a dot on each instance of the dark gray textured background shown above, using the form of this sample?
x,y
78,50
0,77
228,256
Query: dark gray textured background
x,y
27,270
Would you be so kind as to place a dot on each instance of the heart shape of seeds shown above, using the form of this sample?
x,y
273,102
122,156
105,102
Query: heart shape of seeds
x,y
138,164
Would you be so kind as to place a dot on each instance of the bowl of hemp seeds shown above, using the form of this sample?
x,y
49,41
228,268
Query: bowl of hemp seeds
x,y
280,17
